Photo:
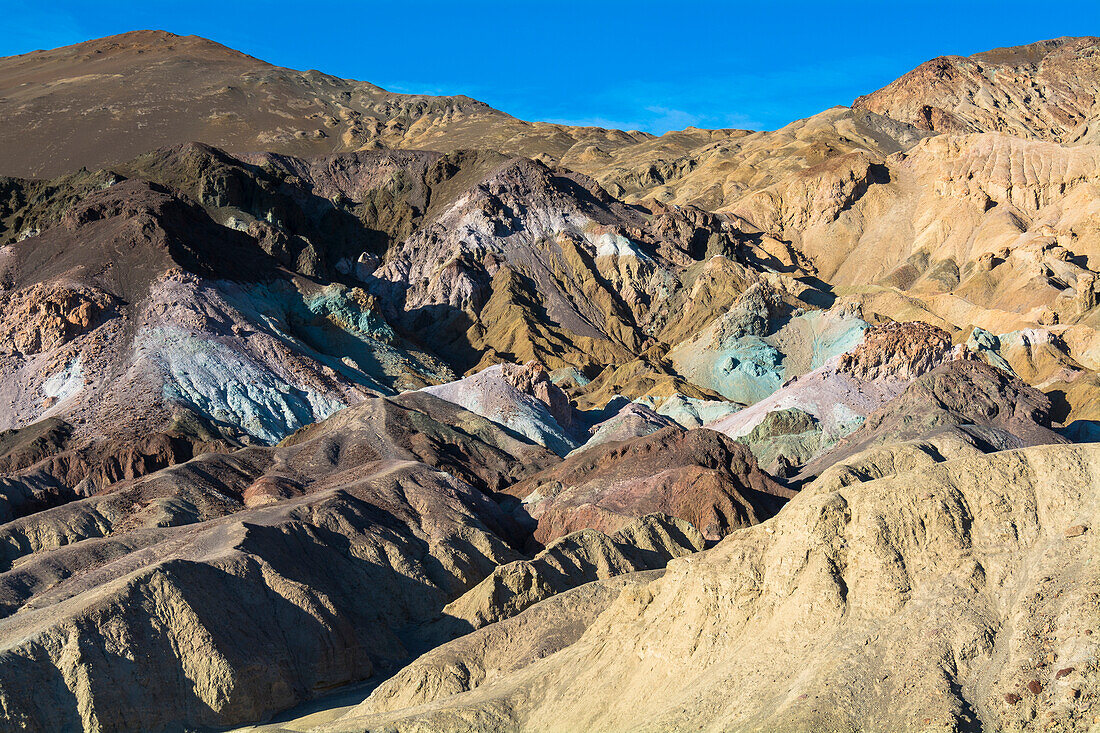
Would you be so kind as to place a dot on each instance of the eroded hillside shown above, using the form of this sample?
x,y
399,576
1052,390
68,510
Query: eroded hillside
x,y
521,426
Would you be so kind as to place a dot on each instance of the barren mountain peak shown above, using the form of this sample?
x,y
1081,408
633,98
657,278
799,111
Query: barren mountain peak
x,y
1043,90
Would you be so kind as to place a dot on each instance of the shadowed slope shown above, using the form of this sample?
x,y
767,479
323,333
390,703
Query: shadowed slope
x,y
235,585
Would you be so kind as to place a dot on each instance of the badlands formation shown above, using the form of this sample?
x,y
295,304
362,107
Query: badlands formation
x,y
327,408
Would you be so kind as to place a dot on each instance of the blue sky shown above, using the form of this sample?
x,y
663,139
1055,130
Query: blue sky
x,y
633,65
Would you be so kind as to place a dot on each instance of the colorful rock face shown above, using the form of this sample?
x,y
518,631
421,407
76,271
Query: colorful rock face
x,y
525,426
697,475
520,398
761,343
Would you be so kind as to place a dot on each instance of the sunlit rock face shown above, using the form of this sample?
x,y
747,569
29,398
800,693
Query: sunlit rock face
x,y
1043,90
863,588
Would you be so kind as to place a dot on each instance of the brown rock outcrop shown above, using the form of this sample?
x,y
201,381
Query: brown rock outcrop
x,y
533,379
41,317
901,351
699,476
44,465
995,410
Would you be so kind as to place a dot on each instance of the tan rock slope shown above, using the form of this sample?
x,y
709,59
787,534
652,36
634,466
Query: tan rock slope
x,y
232,619
582,557
958,596
1046,90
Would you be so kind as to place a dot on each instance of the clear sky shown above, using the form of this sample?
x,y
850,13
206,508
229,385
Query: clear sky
x,y
651,66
